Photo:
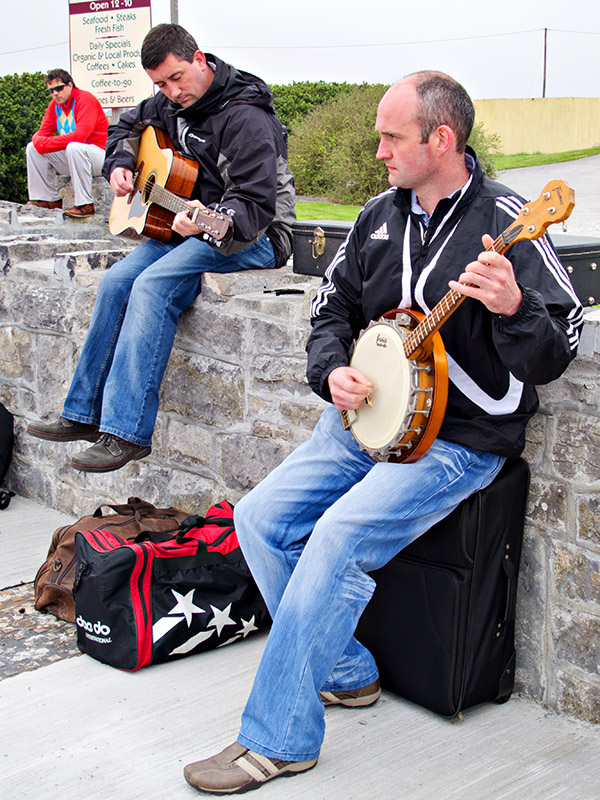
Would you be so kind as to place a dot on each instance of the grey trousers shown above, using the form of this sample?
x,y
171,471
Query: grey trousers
x,y
81,161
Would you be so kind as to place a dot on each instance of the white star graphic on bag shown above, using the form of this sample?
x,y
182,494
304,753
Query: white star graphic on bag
x,y
185,606
221,619
248,626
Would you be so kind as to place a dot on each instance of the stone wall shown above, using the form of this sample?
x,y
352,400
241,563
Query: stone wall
x,y
558,612
235,402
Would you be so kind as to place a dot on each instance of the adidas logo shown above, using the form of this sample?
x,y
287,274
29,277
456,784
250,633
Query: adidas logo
x,y
381,233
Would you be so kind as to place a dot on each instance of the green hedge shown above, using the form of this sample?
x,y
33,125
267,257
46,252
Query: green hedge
x,y
23,100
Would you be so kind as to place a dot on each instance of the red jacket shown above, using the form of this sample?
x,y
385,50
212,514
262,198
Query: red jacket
x,y
91,124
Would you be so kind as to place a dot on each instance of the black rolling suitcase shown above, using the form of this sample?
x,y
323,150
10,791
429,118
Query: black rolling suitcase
x,y
441,621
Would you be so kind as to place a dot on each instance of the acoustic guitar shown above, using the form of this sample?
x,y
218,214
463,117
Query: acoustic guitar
x,y
162,181
403,355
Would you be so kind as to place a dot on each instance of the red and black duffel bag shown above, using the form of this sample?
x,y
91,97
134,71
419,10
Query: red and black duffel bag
x,y
162,596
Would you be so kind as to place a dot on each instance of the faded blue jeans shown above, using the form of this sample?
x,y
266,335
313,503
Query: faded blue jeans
x,y
311,531
139,302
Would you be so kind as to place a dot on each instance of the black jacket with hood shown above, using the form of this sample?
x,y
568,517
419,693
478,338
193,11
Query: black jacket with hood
x,y
494,362
240,146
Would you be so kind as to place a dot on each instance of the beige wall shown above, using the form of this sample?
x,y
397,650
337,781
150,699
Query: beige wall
x,y
542,125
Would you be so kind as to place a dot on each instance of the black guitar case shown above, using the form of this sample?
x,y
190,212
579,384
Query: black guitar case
x,y
441,621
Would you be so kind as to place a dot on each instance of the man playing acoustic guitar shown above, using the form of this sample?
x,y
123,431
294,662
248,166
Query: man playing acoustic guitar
x,y
330,514
221,119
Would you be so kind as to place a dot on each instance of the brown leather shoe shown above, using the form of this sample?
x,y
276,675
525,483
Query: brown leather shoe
x,y
236,770
45,203
64,430
80,211
107,454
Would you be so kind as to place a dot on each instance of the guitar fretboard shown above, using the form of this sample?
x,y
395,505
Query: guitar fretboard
x,y
155,193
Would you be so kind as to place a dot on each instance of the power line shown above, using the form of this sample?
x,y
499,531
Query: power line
x,y
346,46
391,44
30,49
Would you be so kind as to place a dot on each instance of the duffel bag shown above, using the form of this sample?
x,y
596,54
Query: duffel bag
x,y
164,597
54,580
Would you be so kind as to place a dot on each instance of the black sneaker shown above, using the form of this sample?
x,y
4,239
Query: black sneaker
x,y
107,454
64,430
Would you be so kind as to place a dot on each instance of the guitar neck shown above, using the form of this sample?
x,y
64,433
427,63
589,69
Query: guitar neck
x,y
442,310
161,196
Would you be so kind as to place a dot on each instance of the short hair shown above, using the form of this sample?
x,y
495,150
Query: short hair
x,y
443,101
59,75
164,39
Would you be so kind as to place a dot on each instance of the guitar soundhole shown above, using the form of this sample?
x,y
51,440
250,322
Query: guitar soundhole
x,y
146,189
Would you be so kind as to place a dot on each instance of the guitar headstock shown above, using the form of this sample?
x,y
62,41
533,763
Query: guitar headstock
x,y
215,224
555,204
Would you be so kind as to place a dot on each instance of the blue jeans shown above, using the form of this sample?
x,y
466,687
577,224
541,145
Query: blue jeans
x,y
131,333
311,531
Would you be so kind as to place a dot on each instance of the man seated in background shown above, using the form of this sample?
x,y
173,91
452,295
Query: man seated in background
x,y
70,141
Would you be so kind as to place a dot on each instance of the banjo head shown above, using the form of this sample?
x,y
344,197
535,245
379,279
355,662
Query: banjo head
x,y
379,354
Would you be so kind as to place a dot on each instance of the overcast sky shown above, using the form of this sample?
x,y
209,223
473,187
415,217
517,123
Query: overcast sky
x,y
494,49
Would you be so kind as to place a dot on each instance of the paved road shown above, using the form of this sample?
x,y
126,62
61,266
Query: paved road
x,y
582,175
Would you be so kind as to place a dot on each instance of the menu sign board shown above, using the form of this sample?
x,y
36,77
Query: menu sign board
x,y
106,40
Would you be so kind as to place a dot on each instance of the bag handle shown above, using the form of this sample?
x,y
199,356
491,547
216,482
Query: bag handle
x,y
135,507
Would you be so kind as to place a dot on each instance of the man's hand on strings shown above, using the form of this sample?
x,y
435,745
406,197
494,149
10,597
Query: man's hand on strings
x,y
491,280
348,387
121,181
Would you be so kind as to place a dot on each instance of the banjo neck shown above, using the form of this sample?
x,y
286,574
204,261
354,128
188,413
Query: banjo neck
x,y
442,311
553,205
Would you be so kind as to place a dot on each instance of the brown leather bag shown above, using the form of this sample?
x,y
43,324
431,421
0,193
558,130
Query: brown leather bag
x,y
53,583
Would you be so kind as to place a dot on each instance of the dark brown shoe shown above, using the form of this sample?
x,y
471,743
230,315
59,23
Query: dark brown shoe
x,y
354,698
107,454
64,430
80,211
45,203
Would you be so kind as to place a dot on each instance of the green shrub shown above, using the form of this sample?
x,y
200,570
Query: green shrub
x,y
332,150
292,102
23,100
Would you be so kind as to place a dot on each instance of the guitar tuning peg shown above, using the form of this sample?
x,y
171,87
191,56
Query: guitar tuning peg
x,y
564,226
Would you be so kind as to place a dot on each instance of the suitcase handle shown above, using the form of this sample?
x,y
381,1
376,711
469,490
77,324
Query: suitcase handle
x,y
511,588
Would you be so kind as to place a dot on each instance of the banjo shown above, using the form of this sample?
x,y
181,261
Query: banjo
x,y
403,355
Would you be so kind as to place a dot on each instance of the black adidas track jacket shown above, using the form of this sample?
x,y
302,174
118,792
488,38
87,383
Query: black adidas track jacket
x,y
390,259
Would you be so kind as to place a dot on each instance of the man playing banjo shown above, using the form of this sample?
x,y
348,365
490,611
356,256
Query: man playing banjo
x,y
331,513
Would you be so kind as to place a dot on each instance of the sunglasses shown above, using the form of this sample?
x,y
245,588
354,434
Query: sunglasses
x,y
58,88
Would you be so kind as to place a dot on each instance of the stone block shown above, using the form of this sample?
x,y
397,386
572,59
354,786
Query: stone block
x,y
189,444
246,460
578,698
576,576
547,503
530,620
576,448
286,373
202,327
588,516
576,639
203,388
40,306
536,442
16,346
